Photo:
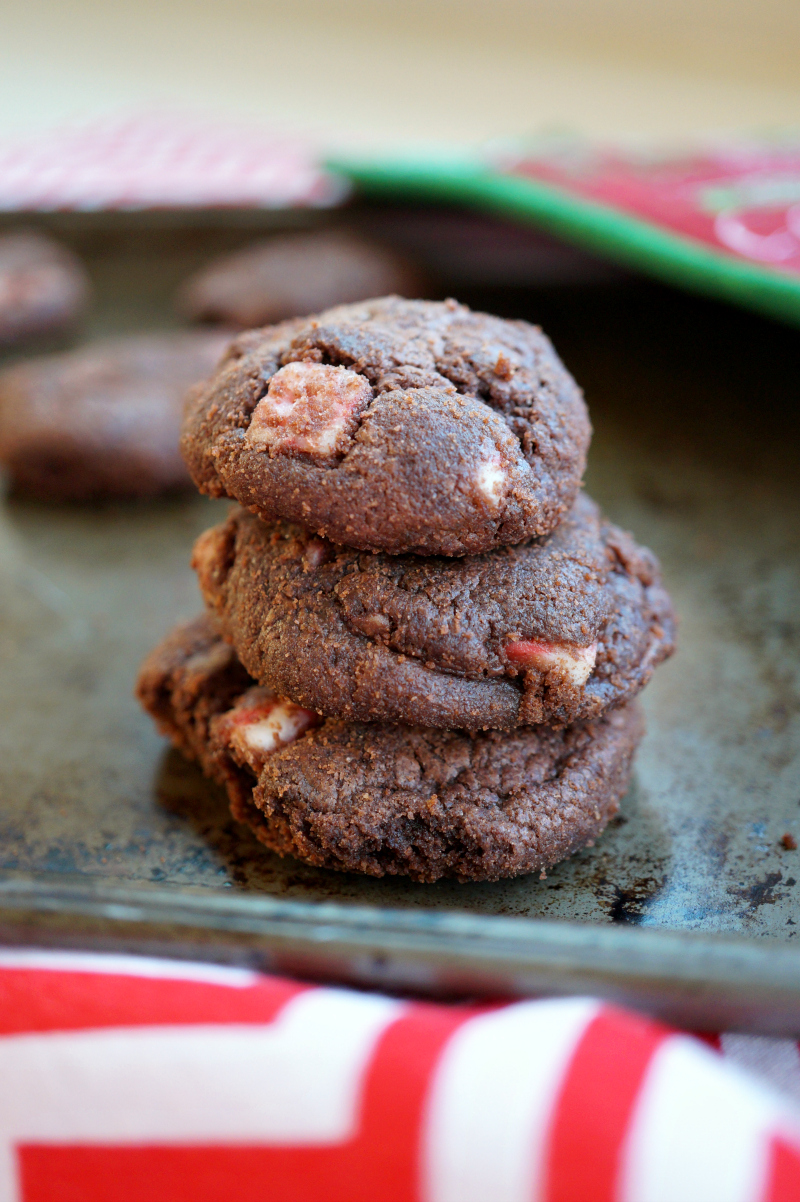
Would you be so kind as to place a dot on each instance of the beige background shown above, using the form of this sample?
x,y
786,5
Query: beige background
x,y
438,70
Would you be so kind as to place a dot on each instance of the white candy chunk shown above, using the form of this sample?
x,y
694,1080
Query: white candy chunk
x,y
261,723
283,725
309,409
491,480
573,664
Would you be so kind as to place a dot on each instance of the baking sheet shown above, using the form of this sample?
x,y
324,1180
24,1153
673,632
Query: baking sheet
x,y
695,450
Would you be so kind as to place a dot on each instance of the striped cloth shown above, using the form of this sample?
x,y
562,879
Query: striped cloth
x,y
125,1079
162,160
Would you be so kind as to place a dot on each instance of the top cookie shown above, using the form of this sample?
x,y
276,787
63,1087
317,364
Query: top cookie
x,y
292,275
394,425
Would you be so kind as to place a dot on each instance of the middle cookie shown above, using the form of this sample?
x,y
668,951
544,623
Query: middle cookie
x,y
556,630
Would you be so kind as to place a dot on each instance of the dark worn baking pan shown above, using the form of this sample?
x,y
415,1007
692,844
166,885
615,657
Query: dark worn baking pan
x,y
686,906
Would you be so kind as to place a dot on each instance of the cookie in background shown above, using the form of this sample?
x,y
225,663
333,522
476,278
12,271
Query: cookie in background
x,y
102,422
292,275
44,288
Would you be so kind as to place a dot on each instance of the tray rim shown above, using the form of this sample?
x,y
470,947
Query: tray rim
x,y
697,979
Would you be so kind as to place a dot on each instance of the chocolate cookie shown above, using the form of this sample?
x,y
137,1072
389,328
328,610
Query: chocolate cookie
x,y
292,275
394,425
384,799
102,421
43,286
556,630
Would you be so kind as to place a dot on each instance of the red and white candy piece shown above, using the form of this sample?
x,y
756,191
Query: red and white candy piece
x,y
309,409
573,664
260,723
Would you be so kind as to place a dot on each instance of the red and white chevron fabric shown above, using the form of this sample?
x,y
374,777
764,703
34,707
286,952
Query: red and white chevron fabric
x,y
161,161
133,1080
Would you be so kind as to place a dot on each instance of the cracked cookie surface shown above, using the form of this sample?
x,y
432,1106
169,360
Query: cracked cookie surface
x,y
382,799
394,425
555,630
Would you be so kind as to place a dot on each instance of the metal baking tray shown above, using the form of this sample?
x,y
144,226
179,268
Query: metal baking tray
x,y
685,907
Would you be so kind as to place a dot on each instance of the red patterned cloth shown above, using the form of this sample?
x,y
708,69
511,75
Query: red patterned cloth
x,y
125,1079
161,161
742,198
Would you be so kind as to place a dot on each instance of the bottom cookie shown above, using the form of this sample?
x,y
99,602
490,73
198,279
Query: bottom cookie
x,y
378,799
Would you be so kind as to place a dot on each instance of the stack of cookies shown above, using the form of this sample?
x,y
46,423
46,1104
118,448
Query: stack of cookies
x,y
422,641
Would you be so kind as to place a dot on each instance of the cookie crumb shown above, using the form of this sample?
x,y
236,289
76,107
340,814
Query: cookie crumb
x,y
789,842
503,368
